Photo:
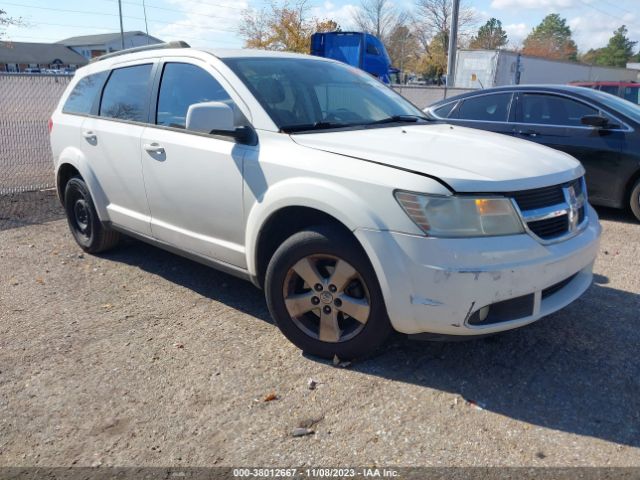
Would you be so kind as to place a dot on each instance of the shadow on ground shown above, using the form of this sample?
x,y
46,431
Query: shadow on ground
x,y
577,370
29,208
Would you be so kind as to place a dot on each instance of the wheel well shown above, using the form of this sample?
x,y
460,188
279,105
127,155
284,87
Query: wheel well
x,y
281,225
65,173
632,181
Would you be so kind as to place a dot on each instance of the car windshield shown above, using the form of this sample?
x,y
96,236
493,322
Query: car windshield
x,y
618,104
310,94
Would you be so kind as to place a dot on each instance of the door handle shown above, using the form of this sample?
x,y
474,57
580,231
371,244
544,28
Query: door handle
x,y
528,133
89,135
154,148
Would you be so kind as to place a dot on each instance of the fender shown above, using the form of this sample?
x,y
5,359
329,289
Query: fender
x,y
306,192
74,157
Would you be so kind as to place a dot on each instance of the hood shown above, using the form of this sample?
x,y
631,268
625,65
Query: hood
x,y
466,159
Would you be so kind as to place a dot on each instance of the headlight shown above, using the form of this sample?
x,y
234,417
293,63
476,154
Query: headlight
x,y
454,216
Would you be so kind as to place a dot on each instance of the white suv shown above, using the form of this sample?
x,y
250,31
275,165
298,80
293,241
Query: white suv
x,y
355,213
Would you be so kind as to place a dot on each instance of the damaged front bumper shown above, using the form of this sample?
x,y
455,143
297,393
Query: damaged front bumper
x,y
478,286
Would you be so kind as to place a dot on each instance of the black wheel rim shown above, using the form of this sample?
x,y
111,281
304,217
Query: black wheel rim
x,y
81,217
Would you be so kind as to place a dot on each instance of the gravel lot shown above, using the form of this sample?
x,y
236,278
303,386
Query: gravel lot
x,y
139,357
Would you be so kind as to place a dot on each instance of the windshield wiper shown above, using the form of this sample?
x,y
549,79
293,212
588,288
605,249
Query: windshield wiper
x,y
399,119
313,126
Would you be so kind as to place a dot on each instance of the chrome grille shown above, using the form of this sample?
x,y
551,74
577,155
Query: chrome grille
x,y
553,213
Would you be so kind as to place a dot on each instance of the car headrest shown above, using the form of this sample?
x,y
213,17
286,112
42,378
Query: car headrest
x,y
271,90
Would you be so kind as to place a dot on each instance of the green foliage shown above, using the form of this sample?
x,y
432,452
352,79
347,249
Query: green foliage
x,y
617,53
551,39
490,36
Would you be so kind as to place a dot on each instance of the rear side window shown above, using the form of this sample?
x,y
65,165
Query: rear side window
x,y
125,95
84,94
488,108
445,110
183,85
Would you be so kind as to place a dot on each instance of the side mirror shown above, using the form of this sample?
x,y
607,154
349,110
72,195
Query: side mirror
x,y
211,117
596,121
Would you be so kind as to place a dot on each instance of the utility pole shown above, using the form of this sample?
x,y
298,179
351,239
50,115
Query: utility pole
x,y
453,44
121,28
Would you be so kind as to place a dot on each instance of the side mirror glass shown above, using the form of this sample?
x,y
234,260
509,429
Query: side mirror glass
x,y
211,117
596,121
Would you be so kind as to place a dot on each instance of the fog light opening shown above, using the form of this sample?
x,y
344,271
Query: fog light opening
x,y
483,313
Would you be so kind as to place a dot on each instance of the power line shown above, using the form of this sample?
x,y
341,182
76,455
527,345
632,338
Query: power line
x,y
584,2
180,24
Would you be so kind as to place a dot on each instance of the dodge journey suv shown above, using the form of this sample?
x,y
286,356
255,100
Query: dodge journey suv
x,y
319,184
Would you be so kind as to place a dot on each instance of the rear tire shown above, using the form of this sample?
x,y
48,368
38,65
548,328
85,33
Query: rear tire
x,y
338,278
634,200
87,229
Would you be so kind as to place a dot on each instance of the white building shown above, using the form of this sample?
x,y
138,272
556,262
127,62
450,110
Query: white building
x,y
90,46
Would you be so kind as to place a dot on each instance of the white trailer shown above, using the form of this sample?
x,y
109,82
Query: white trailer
x,y
494,68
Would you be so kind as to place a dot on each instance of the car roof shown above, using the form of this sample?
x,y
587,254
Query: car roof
x,y
608,84
570,89
251,52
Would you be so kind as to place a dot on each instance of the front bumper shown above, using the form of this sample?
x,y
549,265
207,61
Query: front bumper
x,y
440,285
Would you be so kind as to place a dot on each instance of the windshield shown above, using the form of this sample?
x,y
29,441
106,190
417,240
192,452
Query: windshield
x,y
309,94
618,104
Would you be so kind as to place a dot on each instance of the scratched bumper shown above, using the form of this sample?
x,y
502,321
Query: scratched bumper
x,y
436,285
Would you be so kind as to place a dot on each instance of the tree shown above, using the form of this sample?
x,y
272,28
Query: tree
x,y
617,53
404,48
282,28
490,36
551,39
432,22
378,17
6,21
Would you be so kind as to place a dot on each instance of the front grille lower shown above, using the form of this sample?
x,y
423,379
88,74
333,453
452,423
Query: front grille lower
x,y
548,211
547,292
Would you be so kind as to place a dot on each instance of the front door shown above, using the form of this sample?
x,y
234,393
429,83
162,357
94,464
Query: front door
x,y
555,121
194,181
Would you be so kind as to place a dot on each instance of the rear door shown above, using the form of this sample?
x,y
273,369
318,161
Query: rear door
x,y
487,112
555,120
112,142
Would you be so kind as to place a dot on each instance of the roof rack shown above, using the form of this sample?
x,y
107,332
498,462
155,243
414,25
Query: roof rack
x,y
144,48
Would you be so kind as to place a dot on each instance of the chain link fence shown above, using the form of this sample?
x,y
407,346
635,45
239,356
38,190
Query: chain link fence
x,y
26,103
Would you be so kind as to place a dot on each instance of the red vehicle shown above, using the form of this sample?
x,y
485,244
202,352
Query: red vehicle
x,y
627,90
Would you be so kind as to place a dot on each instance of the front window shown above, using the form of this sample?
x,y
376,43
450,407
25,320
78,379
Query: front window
x,y
308,94
183,85
541,109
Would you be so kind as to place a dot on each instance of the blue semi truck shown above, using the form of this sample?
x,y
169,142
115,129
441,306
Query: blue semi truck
x,y
358,49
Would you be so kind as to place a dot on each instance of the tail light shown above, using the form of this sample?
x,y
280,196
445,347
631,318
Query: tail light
x,y
50,125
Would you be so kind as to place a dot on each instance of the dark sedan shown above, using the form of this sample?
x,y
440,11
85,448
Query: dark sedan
x,y
599,129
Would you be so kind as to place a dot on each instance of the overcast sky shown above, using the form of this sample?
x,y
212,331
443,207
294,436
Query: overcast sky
x,y
212,23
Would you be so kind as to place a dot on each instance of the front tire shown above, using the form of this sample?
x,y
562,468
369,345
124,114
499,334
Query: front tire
x,y
324,295
634,200
87,229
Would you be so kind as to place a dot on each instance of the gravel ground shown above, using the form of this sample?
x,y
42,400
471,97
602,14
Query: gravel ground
x,y
141,358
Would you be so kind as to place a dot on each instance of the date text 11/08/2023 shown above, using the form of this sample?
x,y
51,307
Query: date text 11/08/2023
x,y
314,473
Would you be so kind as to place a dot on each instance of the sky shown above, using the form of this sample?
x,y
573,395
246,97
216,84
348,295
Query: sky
x,y
213,23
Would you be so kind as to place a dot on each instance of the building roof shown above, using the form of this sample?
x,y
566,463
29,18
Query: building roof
x,y
40,53
103,38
